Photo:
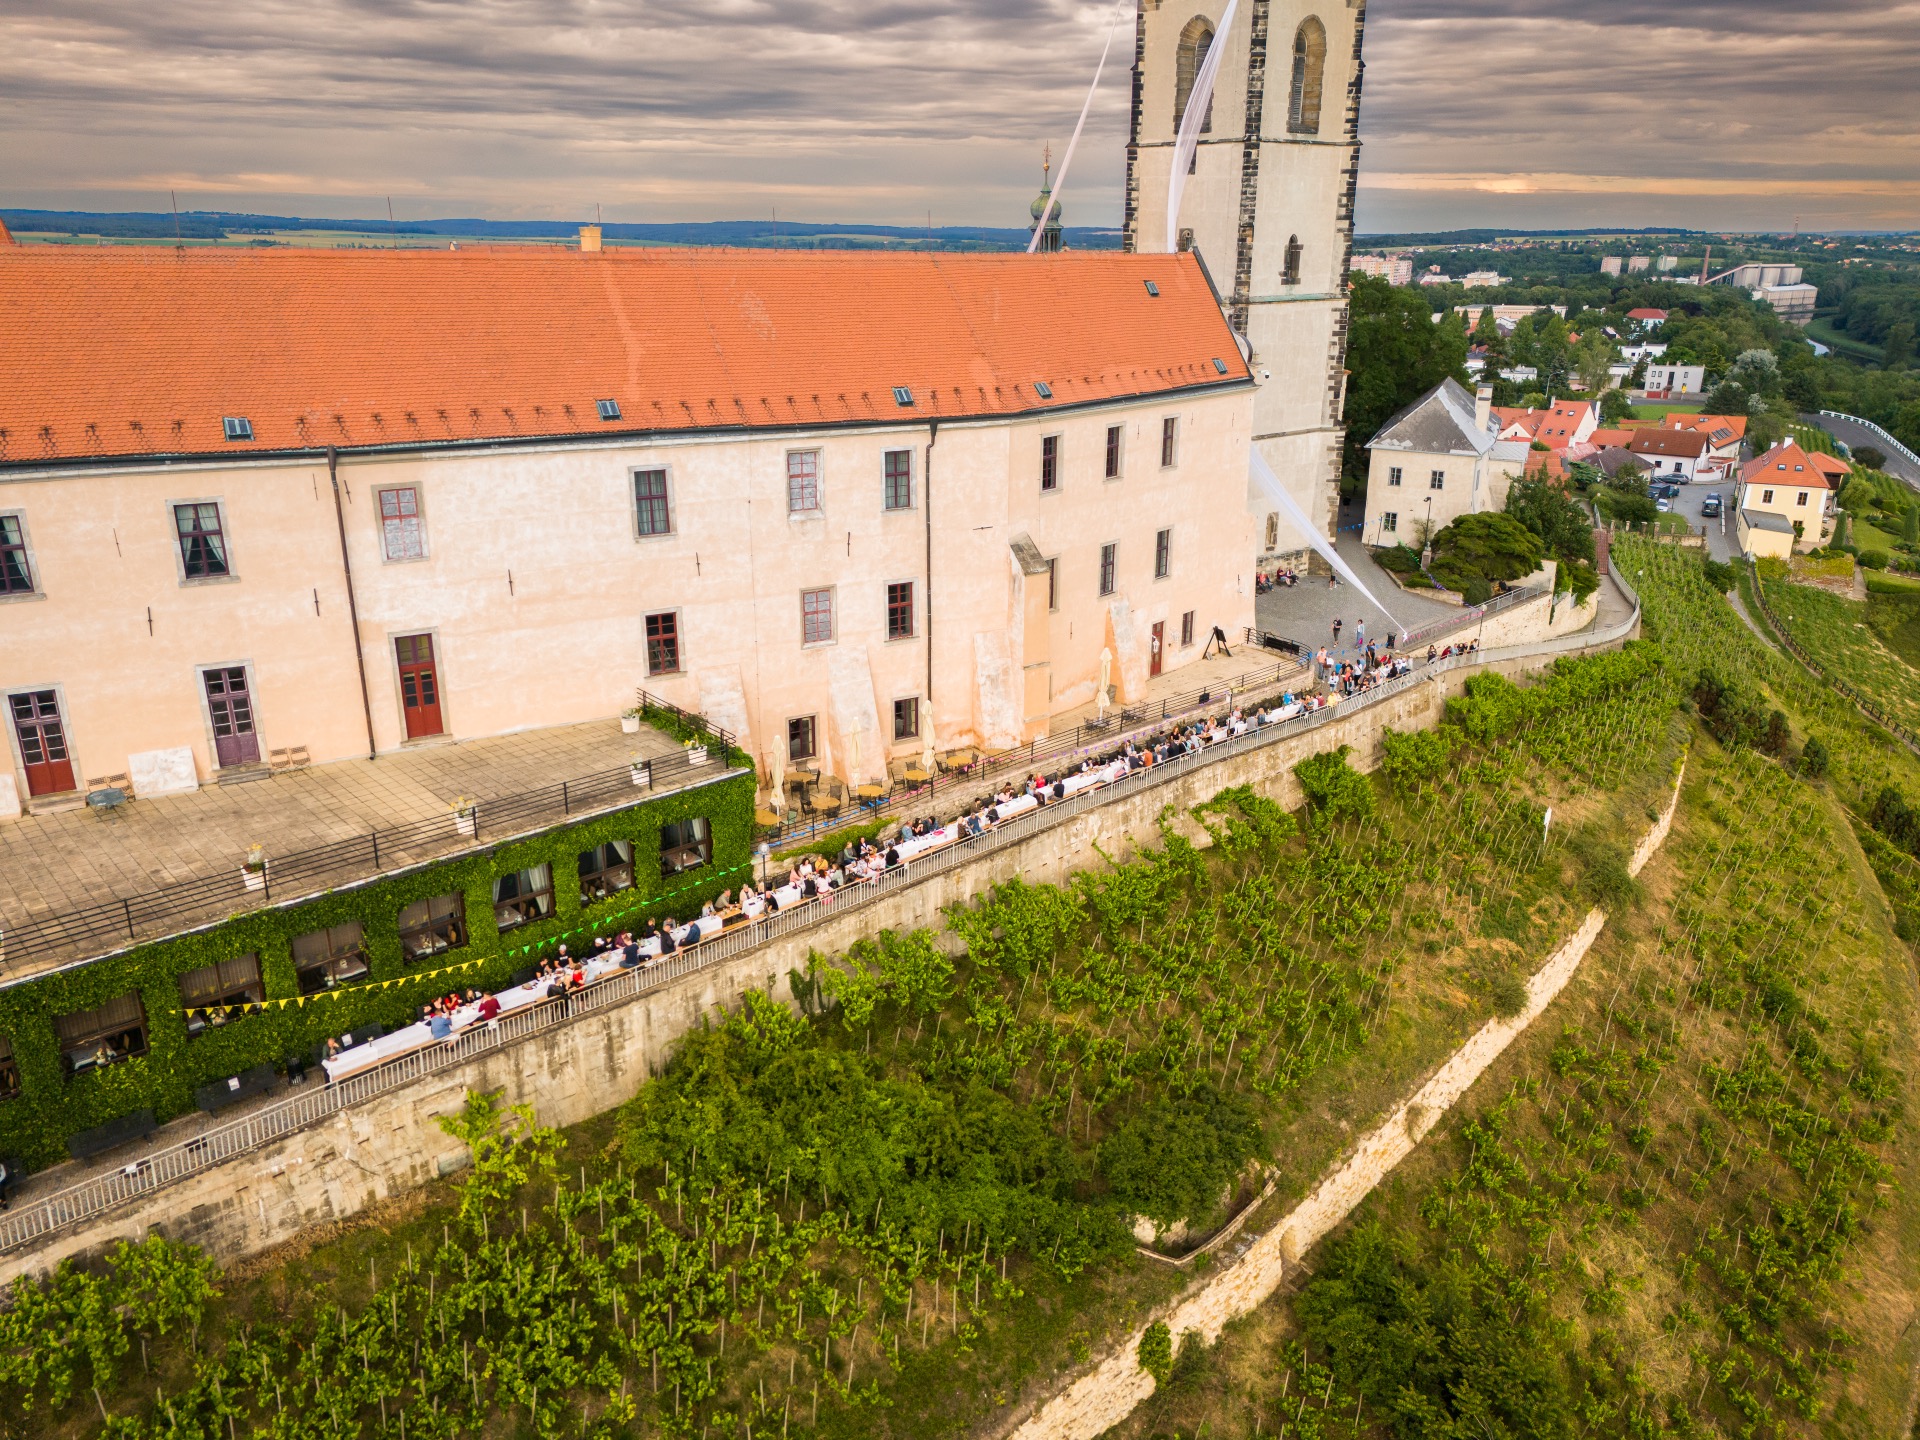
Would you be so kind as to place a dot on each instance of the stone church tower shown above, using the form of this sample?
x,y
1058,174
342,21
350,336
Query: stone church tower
x,y
1269,206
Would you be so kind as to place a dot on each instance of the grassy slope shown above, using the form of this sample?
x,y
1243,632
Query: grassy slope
x,y
1424,920
1852,638
1623,1273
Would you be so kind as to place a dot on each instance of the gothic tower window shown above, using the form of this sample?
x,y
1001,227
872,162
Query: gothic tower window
x,y
1195,41
1290,272
1309,74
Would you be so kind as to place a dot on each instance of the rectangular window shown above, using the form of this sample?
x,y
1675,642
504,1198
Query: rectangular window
x,y
803,482
906,719
1169,440
334,956
1803,498
92,1039
1437,480
605,870
685,845
523,896
653,514
1393,475
816,617
9,1071
215,994
1108,565
203,545
400,533
1053,583
800,740
16,575
1163,554
1766,497
896,468
1186,628
663,643
900,610
428,927
1113,452
1049,462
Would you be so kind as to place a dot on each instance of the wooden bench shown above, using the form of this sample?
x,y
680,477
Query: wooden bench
x,y
102,1138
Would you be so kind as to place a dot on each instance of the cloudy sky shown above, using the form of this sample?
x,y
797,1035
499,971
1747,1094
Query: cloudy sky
x,y
1536,113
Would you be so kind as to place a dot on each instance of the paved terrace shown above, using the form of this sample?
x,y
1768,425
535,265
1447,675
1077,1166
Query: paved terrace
x,y
190,848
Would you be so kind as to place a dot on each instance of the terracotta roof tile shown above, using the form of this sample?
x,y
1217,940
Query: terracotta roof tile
x,y
127,351
1785,464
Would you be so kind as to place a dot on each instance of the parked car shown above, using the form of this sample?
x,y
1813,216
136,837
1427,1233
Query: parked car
x,y
1710,507
1667,491
1663,505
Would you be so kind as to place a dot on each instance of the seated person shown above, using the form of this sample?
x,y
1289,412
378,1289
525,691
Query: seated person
x,y
440,1025
668,944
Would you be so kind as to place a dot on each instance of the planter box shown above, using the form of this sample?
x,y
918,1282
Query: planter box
x,y
642,775
629,724
253,879
466,822
697,755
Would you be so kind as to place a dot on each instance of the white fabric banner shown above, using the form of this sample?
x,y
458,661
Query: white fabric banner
x,y
1287,506
1053,199
1198,100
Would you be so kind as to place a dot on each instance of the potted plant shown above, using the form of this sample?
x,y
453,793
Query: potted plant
x,y
253,874
466,816
696,753
630,721
641,770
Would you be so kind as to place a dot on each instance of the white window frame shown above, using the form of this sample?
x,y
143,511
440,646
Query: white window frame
x,y
819,506
1394,474
380,494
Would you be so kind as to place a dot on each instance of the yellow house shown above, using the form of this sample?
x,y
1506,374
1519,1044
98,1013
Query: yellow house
x,y
1789,485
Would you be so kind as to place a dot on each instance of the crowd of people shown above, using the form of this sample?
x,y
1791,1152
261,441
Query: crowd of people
x,y
1264,580
817,877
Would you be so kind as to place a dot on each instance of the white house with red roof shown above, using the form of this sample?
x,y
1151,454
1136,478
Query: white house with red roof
x,y
1562,423
1787,484
1673,455
1647,318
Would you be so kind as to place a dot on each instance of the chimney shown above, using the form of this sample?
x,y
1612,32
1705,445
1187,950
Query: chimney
x,y
589,239
1482,407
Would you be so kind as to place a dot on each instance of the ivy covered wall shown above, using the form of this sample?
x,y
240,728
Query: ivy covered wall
x,y
51,1107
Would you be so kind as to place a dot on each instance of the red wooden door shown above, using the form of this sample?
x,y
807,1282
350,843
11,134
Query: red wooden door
x,y
1159,644
43,742
419,685
235,741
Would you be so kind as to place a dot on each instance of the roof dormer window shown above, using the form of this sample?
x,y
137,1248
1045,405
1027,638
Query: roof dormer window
x,y
609,409
1152,289
902,395
237,427
1043,389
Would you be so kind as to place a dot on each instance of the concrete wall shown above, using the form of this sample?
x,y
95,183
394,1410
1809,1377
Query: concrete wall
x,y
535,585
392,1144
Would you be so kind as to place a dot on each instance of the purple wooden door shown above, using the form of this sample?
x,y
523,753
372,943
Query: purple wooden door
x,y
234,740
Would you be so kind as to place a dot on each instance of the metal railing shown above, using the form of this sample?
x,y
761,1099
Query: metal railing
x,y
95,930
148,1174
1471,615
1899,448
1859,702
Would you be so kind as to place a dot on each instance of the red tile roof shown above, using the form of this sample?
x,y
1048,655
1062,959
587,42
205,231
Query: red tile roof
x,y
1669,442
1646,314
1711,425
1600,439
6,235
1833,465
1785,464
127,351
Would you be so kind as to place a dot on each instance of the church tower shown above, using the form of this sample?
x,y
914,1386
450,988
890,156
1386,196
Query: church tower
x,y
1269,207
1045,205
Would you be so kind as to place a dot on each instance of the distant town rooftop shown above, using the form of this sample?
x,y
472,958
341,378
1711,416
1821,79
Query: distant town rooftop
x,y
90,881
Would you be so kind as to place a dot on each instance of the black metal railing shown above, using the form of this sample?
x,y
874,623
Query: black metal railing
x,y
113,924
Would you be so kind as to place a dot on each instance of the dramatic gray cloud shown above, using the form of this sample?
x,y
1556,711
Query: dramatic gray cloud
x,y
1477,111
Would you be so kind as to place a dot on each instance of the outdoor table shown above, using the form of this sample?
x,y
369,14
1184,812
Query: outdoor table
x,y
101,1138
870,792
218,1094
765,817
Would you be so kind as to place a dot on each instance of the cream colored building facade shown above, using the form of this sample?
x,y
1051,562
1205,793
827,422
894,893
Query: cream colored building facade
x,y
1438,459
1269,208
835,593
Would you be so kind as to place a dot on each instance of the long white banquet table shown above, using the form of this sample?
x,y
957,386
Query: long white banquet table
x,y
419,1035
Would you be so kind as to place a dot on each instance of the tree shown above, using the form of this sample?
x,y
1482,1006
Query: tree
x,y
1550,513
1871,458
1616,406
1486,548
1899,345
1593,359
1395,354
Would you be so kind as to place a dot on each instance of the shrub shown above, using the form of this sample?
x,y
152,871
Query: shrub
x,y
1174,1159
1578,579
1400,559
1870,456
1720,575
1733,716
1894,818
1334,788
1814,758
1156,1352
1492,709
1418,756
1476,591
1778,736
1875,559
1509,994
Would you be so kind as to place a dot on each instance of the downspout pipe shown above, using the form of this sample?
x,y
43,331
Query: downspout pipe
x,y
933,435
353,607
